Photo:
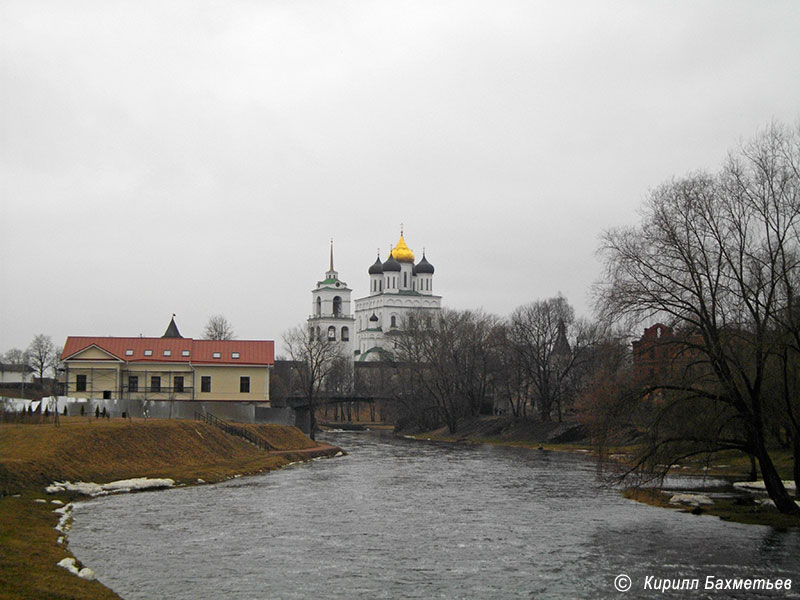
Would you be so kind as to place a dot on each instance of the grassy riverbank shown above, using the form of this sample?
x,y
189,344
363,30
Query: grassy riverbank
x,y
33,456
569,437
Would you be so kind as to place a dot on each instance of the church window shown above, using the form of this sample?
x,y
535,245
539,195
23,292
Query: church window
x,y
331,333
405,279
394,321
337,305
345,334
319,306
311,334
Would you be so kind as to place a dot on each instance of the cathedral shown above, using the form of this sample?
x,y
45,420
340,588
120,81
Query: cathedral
x,y
398,287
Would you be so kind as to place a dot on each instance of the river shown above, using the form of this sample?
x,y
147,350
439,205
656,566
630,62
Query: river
x,y
406,519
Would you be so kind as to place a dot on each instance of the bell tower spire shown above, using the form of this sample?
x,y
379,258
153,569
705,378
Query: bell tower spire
x,y
331,274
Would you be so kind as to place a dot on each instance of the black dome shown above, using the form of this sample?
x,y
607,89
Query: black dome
x,y
376,268
424,266
391,264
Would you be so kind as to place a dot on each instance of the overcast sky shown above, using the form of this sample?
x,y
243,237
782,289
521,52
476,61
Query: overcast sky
x,y
197,157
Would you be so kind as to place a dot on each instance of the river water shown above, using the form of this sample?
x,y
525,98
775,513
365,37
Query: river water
x,y
405,519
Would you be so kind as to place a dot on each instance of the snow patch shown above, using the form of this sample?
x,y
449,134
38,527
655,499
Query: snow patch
x,y
760,486
66,514
69,565
40,500
771,503
113,487
691,499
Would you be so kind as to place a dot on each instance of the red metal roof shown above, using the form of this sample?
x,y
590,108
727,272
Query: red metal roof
x,y
250,352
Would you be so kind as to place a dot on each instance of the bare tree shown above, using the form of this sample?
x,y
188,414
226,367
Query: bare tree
x,y
711,256
218,328
551,345
42,355
15,356
312,361
449,359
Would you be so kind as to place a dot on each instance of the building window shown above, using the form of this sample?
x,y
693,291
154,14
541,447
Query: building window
x,y
148,353
337,305
331,333
155,383
244,385
133,383
311,334
128,352
319,306
167,352
80,383
178,384
184,353
234,355
405,279
345,334
205,383
394,321
216,355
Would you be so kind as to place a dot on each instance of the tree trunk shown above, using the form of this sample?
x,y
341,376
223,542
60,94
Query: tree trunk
x,y
312,418
772,481
796,457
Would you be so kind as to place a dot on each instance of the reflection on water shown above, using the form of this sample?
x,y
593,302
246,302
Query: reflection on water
x,y
402,519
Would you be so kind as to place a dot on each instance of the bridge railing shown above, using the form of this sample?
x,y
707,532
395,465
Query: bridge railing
x,y
232,429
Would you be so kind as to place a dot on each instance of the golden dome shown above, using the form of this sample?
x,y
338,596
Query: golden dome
x,y
401,252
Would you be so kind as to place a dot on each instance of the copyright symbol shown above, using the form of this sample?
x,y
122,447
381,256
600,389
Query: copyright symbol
x,y
622,583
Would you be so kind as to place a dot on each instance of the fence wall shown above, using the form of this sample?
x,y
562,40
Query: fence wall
x,y
155,409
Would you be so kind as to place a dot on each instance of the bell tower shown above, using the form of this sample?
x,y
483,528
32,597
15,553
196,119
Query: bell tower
x,y
331,317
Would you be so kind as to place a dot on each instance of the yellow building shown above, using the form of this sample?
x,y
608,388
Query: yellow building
x,y
167,368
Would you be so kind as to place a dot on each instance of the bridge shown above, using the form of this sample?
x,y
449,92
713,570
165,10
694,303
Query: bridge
x,y
342,404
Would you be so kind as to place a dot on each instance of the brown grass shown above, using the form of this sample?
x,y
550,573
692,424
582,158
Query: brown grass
x,y
82,450
33,456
